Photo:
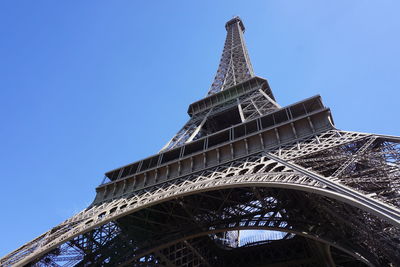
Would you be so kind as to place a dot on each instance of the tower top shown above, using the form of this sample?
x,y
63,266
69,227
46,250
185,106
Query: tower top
x,y
235,66
234,20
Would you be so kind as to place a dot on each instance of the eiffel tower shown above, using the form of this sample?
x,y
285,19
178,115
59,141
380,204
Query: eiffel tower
x,y
317,195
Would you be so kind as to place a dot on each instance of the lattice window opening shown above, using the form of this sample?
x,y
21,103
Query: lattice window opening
x,y
256,237
391,152
220,121
64,255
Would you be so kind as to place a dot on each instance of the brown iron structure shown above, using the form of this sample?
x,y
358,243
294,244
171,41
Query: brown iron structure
x,y
317,195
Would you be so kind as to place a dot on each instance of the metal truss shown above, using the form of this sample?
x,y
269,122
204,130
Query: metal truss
x,y
235,66
334,195
285,168
368,164
251,105
255,105
240,208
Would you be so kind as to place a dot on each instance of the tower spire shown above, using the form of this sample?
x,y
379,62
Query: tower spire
x,y
235,66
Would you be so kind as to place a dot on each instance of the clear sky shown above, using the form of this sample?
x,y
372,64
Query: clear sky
x,y
88,86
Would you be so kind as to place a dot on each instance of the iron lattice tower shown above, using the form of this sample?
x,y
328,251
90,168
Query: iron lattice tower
x,y
241,162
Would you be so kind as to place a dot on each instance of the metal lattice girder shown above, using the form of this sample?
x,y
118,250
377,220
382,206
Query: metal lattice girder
x,y
257,170
242,209
253,103
294,252
235,65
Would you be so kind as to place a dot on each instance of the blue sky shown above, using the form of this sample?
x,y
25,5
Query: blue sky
x,y
88,86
